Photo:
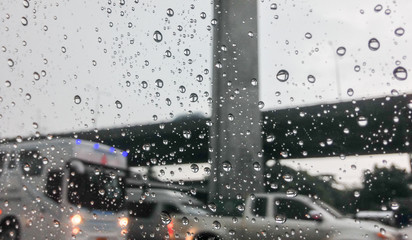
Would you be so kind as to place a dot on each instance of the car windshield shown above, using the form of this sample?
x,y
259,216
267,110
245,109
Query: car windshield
x,y
97,188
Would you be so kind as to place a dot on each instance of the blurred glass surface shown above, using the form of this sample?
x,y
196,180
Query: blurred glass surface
x,y
113,115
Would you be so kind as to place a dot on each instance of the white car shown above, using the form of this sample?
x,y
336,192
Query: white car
x,y
153,214
277,216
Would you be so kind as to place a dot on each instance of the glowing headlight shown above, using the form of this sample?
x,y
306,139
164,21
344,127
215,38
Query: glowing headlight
x,y
76,219
123,221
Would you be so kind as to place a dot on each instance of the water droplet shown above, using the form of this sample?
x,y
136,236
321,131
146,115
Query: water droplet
x,y
373,44
261,104
193,97
165,217
400,73
24,21
356,68
101,192
10,62
194,168
119,105
356,194
182,89
353,167
308,35
270,138
273,6
168,102
185,221
36,76
341,51
202,15
28,96
26,167
45,160
212,207
280,219
77,99
159,83
378,8
56,223
19,139
350,92
144,84
284,154
395,119
186,52
399,31
394,206
199,78
157,36
256,166
288,178
362,121
187,134
226,166
26,3
254,82
291,193
216,225
170,12
311,79
282,75
230,117
146,147
329,141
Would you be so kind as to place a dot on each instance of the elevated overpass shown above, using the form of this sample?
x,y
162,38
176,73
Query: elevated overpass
x,y
372,126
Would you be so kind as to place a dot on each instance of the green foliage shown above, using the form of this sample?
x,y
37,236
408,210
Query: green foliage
x,y
381,186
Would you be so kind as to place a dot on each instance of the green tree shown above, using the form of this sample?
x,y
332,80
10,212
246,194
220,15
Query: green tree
x,y
382,186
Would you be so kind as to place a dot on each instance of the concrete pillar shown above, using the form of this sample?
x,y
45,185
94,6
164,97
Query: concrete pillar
x,y
235,135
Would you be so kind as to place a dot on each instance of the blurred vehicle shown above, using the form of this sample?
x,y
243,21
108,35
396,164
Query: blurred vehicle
x,y
62,189
279,216
385,217
154,214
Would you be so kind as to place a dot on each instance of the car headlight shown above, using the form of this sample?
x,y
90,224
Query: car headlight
x,y
123,221
76,219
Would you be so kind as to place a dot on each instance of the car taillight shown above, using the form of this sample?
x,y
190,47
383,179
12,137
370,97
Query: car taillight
x,y
170,229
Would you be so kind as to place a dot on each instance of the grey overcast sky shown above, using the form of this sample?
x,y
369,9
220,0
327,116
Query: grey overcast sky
x,y
104,52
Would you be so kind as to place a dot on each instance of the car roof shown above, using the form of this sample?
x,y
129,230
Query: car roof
x,y
161,195
281,195
380,214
